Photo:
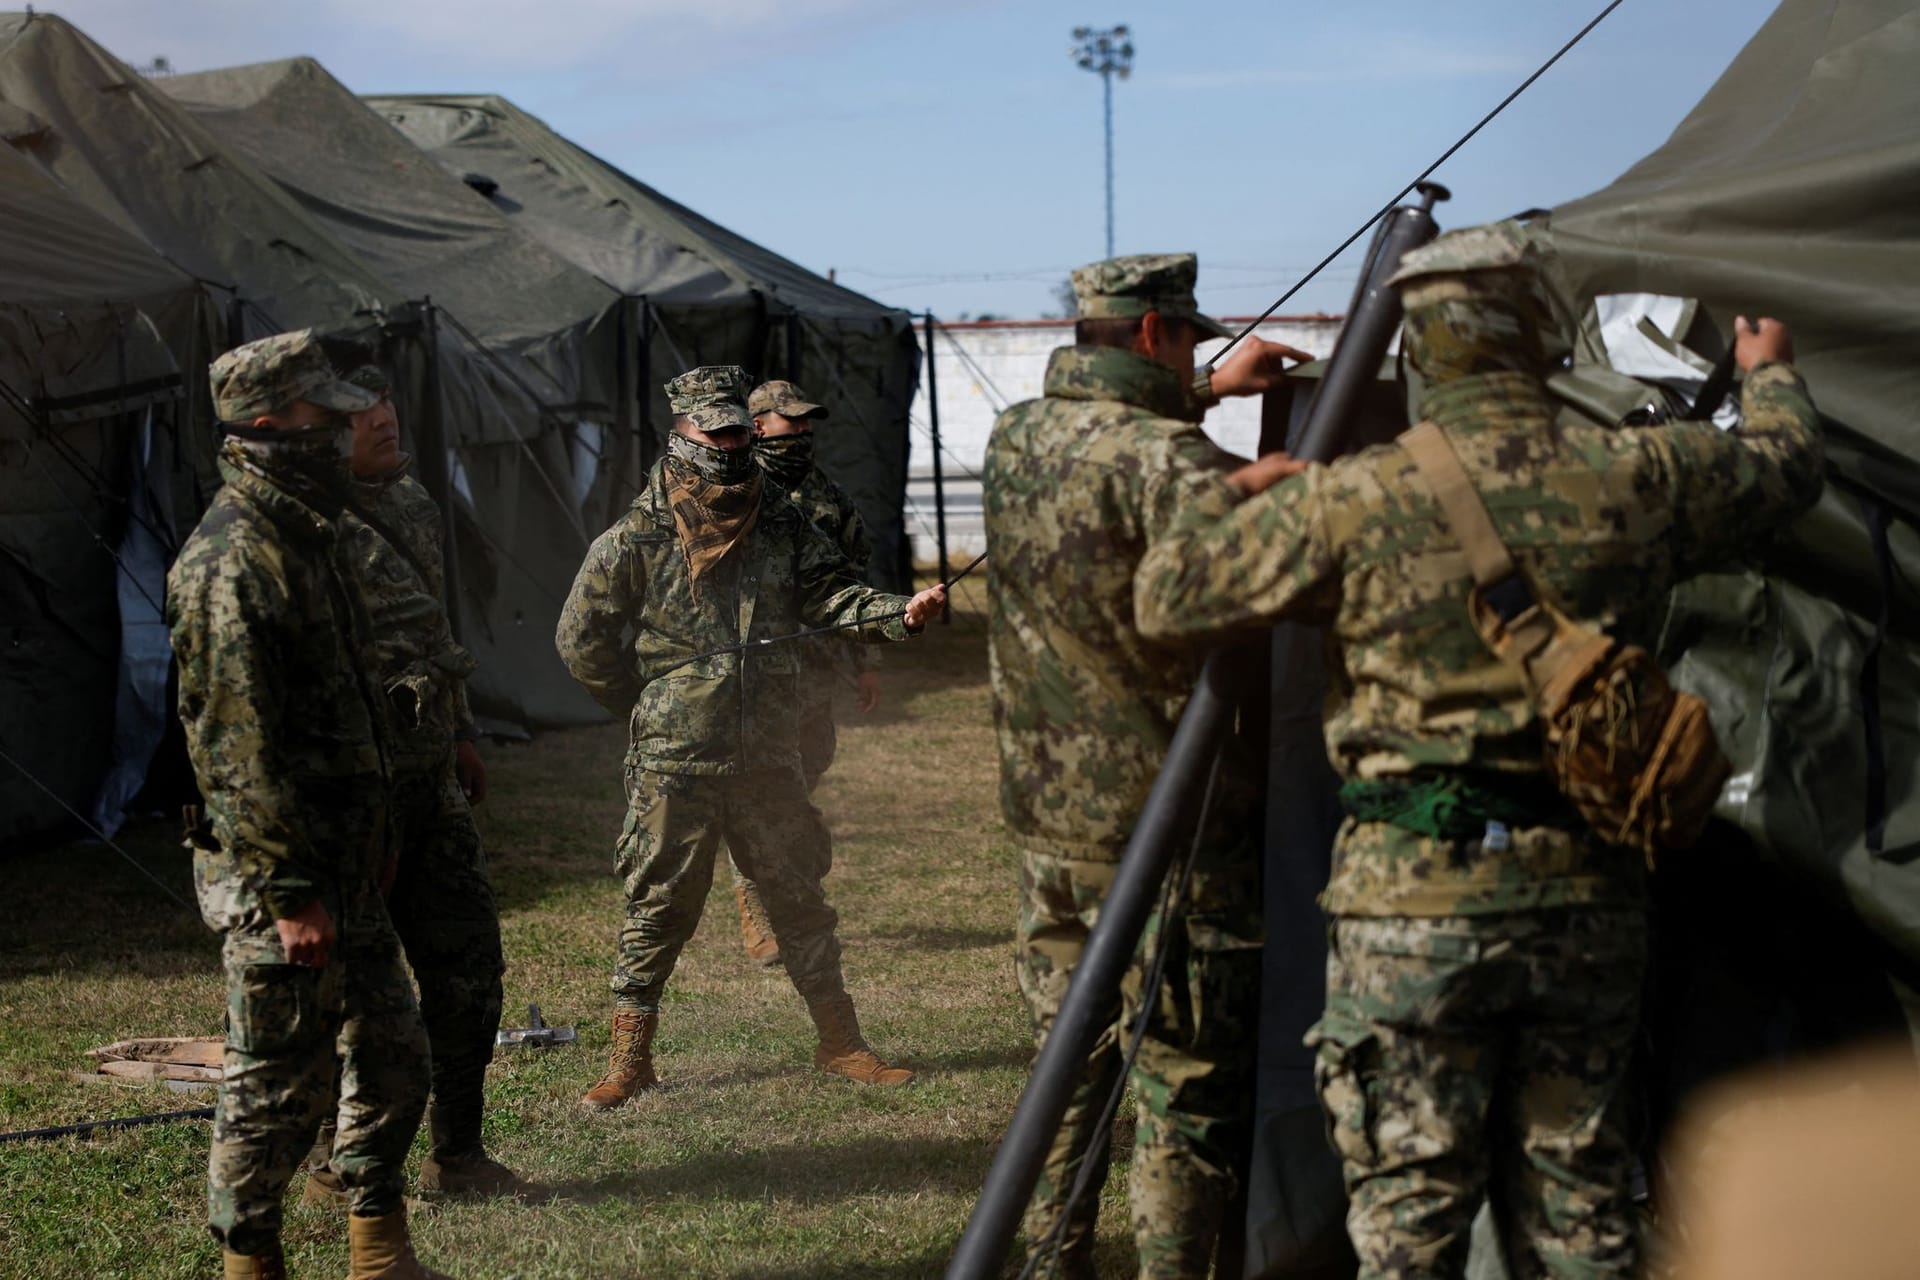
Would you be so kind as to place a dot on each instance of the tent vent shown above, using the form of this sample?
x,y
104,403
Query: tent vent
x,y
481,182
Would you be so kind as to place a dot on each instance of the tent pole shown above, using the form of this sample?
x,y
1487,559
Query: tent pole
x,y
644,390
939,482
440,467
627,418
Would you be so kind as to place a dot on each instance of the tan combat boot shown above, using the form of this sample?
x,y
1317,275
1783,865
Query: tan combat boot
x,y
629,1064
478,1174
756,931
379,1249
842,1051
256,1266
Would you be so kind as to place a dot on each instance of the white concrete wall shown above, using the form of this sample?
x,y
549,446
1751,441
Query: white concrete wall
x,y
1006,362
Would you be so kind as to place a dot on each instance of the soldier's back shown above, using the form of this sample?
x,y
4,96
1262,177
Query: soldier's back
x,y
1074,491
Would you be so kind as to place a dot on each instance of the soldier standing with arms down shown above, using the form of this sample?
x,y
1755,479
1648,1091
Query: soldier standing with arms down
x,y
288,742
1484,979
441,900
783,420
710,556
1078,485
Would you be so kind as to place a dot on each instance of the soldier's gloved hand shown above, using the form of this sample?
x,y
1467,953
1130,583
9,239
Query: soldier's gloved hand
x,y
1757,341
307,936
1264,472
869,696
470,771
923,606
1254,366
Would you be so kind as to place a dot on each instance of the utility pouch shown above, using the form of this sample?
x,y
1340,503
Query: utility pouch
x,y
1635,756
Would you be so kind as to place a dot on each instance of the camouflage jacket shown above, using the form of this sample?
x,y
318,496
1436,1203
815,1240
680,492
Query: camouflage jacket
x,y
633,611
1604,522
285,733
1078,486
420,665
830,661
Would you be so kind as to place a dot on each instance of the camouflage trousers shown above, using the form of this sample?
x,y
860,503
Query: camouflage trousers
x,y
292,1031
1464,1058
819,739
442,907
1194,1075
675,826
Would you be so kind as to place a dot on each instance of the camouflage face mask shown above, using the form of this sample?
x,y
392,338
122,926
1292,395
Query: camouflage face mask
x,y
786,459
711,463
323,441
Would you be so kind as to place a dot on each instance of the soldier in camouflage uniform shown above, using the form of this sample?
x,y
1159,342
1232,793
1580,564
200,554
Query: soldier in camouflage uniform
x,y
1077,486
290,744
783,420
441,900
1483,986
711,556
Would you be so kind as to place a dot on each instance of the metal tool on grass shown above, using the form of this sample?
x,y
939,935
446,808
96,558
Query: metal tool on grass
x,y
536,1034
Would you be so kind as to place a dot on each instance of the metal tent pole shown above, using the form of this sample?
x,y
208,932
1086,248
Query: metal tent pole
x,y
939,480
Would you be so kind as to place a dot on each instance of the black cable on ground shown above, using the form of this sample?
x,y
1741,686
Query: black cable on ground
x,y
98,1126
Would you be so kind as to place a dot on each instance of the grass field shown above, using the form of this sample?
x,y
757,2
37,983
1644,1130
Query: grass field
x,y
748,1163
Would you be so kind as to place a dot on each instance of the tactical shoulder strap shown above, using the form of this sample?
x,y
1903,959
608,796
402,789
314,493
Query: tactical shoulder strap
x,y
1505,612
1439,465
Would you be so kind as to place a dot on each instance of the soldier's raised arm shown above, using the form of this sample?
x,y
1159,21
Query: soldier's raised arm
x,y
1266,559
1729,486
832,595
592,635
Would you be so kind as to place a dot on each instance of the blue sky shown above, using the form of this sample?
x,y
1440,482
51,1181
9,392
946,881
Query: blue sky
x,y
948,155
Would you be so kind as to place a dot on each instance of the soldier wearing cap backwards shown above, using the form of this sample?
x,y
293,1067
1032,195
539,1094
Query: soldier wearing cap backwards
x,y
1078,485
441,900
783,420
1483,986
290,745
709,556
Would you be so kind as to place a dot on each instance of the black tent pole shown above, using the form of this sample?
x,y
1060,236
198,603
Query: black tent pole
x,y
1166,820
437,468
939,484
644,389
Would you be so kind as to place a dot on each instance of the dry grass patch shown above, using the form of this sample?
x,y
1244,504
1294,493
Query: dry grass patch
x,y
748,1164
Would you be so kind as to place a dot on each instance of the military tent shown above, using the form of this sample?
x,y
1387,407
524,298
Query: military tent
x,y
710,296
100,469
1793,189
131,152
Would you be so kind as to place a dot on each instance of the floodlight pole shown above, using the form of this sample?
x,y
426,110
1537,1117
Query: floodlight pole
x,y
1106,84
1108,53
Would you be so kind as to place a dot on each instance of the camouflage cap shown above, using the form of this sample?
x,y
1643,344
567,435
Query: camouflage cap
x,y
370,376
1124,288
1493,247
785,399
269,375
713,397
